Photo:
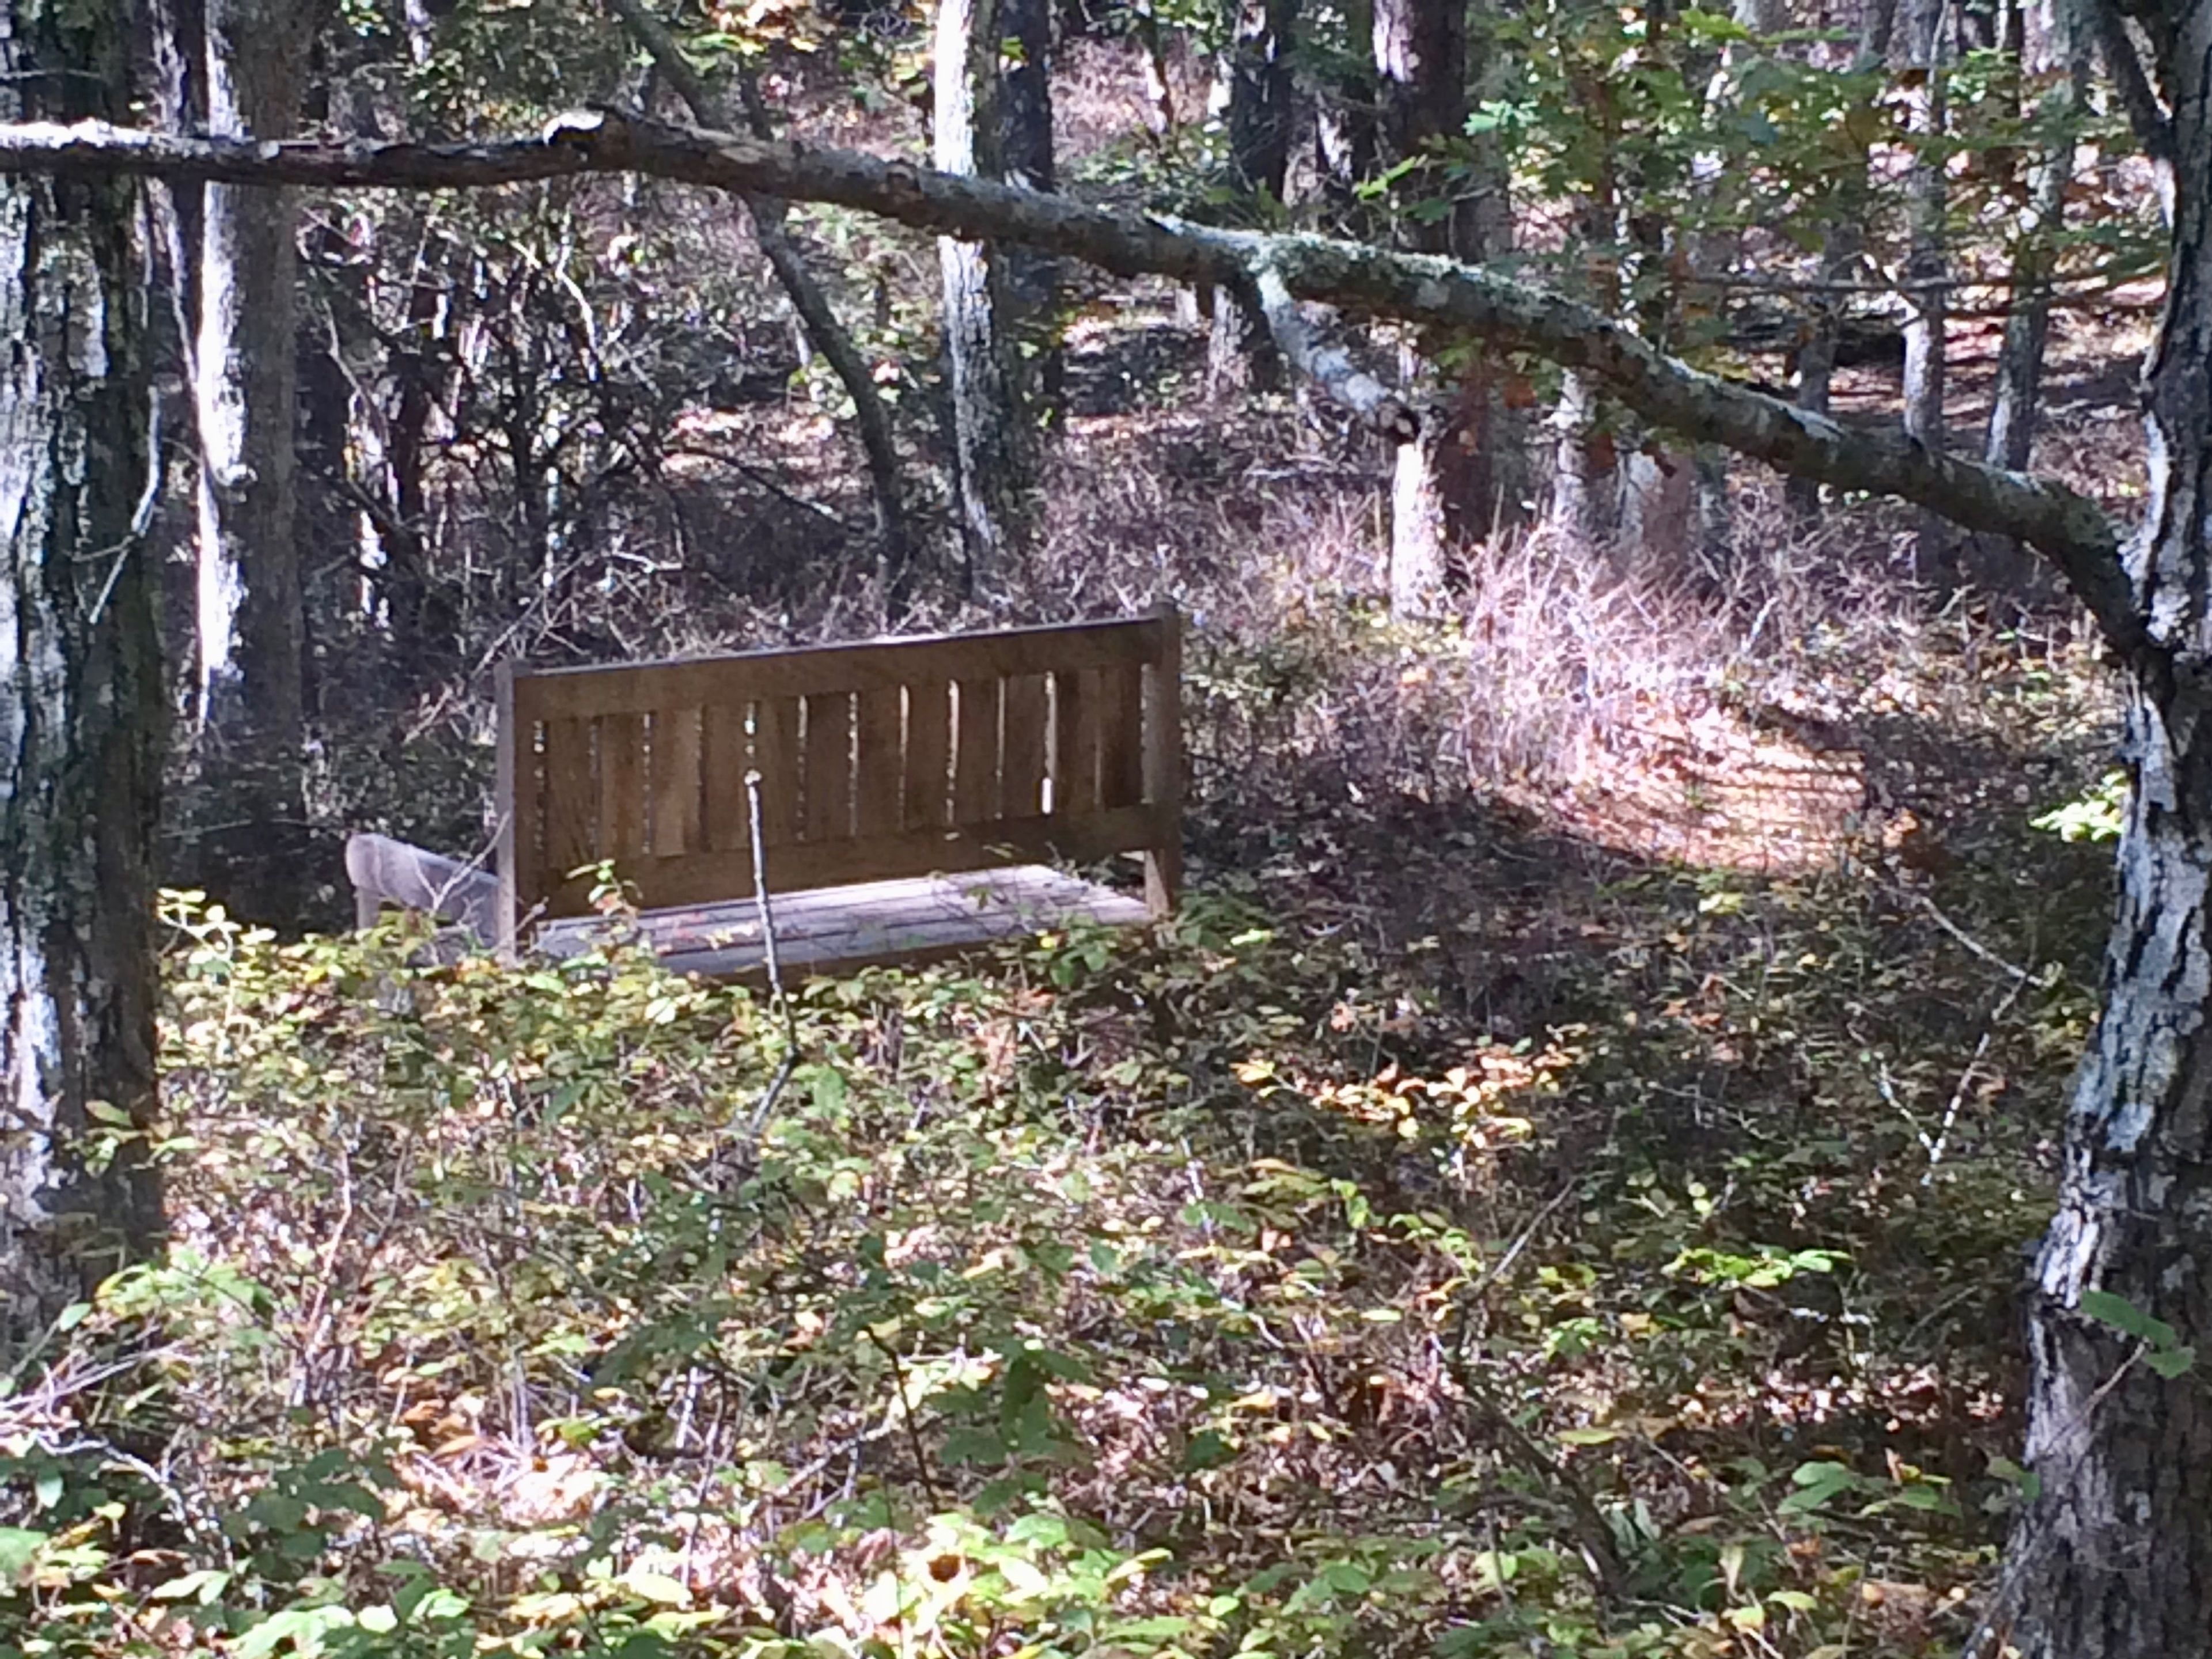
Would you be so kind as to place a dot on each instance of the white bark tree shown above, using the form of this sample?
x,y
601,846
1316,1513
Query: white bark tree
x,y
82,698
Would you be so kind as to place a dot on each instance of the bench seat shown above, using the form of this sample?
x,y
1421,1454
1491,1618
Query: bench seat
x,y
826,930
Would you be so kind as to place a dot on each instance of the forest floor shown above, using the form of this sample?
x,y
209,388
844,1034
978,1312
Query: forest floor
x,y
1562,1186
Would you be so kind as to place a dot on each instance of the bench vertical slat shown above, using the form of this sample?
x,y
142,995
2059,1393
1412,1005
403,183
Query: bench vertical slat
x,y
880,762
1075,742
775,751
1163,764
572,826
1023,769
726,758
622,785
676,789
928,753
1121,735
516,802
829,766
975,769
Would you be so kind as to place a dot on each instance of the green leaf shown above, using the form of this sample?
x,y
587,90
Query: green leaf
x,y
2122,1316
658,1588
2169,1362
19,1548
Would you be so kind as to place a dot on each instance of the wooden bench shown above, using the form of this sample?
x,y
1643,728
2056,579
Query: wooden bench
x,y
917,796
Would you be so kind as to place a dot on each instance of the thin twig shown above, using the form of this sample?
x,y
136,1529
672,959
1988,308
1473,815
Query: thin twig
x,y
779,1000
1971,943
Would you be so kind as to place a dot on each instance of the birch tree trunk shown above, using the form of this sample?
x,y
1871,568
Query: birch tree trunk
x,y
2111,1559
245,375
81,695
1926,266
993,482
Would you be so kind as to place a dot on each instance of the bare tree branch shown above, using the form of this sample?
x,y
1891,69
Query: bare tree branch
x,y
1328,365
829,335
2069,528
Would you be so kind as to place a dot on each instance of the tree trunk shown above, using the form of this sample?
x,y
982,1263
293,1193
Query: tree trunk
x,y
1026,151
244,371
1455,481
1257,70
1926,267
2053,52
2016,405
1343,121
2112,1558
993,481
81,695
1842,241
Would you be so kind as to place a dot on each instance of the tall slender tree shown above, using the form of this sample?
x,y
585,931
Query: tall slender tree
x,y
1926,27
80,693
1256,69
991,450
244,373
1027,157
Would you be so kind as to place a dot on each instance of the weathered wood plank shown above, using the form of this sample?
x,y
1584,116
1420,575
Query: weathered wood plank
x,y
776,753
678,793
829,766
928,753
879,761
1164,766
975,769
704,877
518,851
572,810
726,758
1022,753
640,687
838,928
1075,741
1120,735
621,739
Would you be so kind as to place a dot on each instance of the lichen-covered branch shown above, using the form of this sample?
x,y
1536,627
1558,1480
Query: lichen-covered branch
x,y
2066,527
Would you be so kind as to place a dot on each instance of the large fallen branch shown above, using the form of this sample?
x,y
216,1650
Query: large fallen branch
x,y
2069,528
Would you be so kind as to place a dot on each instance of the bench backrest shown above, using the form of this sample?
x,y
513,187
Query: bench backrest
x,y
895,758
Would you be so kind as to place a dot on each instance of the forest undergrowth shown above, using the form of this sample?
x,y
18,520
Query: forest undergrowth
x,y
1531,1201
1560,1186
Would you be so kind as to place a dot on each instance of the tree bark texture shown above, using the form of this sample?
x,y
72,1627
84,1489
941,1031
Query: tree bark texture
x,y
245,376
1259,115
2113,1560
992,473
1026,156
81,697
1344,134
